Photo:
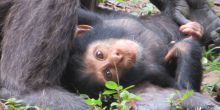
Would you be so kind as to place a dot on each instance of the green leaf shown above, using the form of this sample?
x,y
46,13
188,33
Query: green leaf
x,y
84,96
109,92
210,51
105,108
204,60
120,88
120,1
115,96
101,1
111,85
124,95
187,95
148,8
90,102
134,97
18,101
48,108
93,102
114,104
129,87
99,102
124,104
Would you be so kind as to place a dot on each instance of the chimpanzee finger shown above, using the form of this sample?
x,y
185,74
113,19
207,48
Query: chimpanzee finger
x,y
193,29
171,53
193,25
193,33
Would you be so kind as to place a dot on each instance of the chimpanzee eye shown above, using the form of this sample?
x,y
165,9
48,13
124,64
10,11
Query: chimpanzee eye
x,y
108,74
99,55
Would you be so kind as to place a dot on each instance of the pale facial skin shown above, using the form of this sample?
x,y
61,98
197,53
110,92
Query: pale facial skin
x,y
109,58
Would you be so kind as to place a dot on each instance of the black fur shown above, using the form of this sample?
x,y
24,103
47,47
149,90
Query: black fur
x,y
155,98
35,50
182,11
154,34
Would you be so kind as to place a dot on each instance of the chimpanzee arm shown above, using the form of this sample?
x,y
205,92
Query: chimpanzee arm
x,y
189,69
183,11
176,9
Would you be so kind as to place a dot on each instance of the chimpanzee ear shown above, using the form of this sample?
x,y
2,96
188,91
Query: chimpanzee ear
x,y
81,29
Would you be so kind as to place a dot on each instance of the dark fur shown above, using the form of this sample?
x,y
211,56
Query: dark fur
x,y
155,98
195,10
5,5
36,47
154,34
146,32
88,4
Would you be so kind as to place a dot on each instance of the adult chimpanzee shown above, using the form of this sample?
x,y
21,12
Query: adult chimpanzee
x,y
132,49
184,11
35,50
4,8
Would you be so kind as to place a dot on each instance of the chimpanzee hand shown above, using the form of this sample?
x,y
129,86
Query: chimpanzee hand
x,y
193,29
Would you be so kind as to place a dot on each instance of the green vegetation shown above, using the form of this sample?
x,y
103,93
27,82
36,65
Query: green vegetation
x,y
210,60
148,9
135,7
209,88
176,102
122,98
13,104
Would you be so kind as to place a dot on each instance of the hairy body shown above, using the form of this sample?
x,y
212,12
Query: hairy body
x,y
135,51
132,49
35,50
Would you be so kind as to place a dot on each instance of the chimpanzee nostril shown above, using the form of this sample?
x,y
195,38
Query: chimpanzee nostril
x,y
116,57
117,53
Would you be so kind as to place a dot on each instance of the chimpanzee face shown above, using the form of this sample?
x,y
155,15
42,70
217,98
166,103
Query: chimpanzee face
x,y
107,59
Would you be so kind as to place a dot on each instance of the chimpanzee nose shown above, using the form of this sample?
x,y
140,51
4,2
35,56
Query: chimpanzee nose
x,y
116,57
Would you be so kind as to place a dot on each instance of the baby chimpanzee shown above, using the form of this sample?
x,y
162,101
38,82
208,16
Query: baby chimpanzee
x,y
130,49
